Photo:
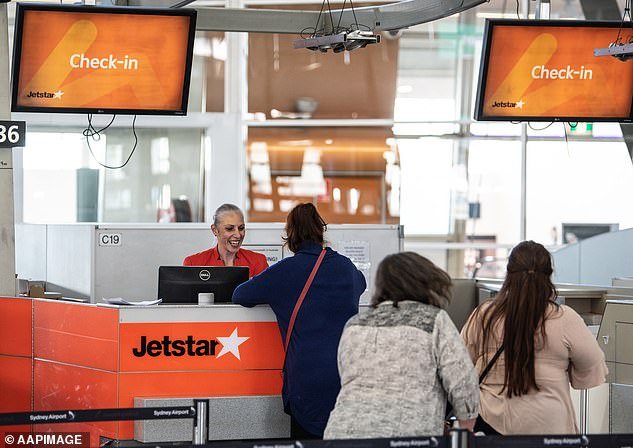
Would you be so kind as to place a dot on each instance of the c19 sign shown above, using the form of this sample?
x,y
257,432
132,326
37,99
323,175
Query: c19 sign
x,y
12,133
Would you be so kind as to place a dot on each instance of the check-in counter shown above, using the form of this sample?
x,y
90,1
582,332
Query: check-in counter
x,y
588,301
88,356
16,357
614,337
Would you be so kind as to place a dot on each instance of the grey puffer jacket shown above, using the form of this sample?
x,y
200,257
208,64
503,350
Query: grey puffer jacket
x,y
398,366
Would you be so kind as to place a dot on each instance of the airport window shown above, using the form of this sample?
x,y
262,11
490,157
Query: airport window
x,y
207,74
64,183
352,174
302,84
427,173
577,182
52,161
494,189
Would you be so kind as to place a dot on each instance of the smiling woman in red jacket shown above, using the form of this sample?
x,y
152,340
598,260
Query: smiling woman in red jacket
x,y
229,230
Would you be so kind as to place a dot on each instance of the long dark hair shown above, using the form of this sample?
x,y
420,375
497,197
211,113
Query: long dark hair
x,y
304,224
410,276
521,306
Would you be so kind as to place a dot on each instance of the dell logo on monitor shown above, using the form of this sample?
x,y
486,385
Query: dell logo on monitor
x,y
204,275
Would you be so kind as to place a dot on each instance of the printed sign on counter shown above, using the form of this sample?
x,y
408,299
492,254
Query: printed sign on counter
x,y
358,252
109,239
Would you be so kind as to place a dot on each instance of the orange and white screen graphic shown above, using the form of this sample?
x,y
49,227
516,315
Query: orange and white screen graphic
x,y
102,60
552,72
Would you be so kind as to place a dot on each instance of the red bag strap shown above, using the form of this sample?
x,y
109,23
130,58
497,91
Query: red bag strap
x,y
302,296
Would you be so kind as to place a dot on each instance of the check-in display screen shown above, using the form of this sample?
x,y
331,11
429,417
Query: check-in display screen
x,y
99,59
546,70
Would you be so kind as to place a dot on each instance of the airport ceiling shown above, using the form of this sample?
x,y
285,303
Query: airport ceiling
x,y
384,16
274,15
213,16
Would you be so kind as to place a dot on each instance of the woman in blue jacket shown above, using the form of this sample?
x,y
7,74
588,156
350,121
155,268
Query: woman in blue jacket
x,y
311,380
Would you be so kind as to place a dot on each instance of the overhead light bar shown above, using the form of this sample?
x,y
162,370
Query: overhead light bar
x,y
338,42
623,52
322,43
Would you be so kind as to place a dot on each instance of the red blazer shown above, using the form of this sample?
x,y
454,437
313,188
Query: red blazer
x,y
255,262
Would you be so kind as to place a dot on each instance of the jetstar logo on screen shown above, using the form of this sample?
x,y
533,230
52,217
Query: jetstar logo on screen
x,y
33,94
517,104
190,346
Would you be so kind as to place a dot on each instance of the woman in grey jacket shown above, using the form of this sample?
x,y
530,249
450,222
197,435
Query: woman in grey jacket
x,y
400,361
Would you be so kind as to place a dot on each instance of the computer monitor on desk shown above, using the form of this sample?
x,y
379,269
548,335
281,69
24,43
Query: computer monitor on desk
x,y
182,284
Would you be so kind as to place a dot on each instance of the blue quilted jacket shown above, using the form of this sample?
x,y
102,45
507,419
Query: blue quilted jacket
x,y
311,380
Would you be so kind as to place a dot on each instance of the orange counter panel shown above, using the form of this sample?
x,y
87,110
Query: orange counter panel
x,y
15,387
217,346
76,334
77,318
16,331
60,387
74,349
91,357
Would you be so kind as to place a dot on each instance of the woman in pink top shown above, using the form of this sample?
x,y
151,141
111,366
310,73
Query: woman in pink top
x,y
545,348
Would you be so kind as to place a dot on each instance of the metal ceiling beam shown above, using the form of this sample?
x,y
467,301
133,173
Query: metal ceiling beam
x,y
392,16
255,20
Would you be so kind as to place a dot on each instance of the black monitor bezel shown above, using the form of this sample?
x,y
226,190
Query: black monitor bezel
x,y
236,272
485,63
22,8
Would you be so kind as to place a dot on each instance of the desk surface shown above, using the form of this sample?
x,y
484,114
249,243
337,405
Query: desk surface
x,y
220,312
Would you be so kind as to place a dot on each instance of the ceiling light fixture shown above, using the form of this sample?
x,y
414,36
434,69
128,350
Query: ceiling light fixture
x,y
338,42
623,52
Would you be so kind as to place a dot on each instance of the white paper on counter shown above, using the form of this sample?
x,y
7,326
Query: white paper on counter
x,y
120,301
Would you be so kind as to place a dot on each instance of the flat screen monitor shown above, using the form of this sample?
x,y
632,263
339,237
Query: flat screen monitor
x,y
182,284
93,59
545,70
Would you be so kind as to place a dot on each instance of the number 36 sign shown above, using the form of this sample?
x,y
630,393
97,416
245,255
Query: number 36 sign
x,y
12,133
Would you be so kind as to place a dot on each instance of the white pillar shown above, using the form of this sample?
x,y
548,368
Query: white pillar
x,y
226,176
524,142
7,224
